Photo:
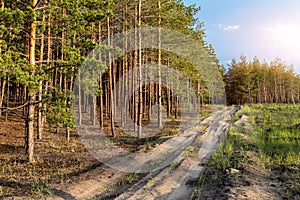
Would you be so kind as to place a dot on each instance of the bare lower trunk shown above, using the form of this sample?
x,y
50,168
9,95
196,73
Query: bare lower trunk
x,y
30,129
7,99
110,84
140,101
79,101
31,98
40,113
2,96
159,67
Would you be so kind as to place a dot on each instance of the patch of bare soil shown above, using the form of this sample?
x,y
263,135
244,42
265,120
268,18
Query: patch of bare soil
x,y
252,182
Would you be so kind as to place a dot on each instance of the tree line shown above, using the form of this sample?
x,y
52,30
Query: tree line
x,y
261,82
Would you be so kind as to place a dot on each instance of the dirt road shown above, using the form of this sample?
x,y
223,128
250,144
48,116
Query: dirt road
x,y
174,181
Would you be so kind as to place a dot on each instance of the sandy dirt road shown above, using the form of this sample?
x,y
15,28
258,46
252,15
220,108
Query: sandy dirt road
x,y
172,181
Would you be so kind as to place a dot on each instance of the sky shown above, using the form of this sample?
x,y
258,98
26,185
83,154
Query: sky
x,y
263,28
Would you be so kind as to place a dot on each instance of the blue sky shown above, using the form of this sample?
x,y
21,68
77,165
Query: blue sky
x,y
263,28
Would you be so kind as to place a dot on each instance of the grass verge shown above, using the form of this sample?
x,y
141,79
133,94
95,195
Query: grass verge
x,y
265,139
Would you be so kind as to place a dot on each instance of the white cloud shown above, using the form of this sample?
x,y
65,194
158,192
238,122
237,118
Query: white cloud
x,y
229,27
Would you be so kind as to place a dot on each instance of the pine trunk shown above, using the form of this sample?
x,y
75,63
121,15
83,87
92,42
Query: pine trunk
x,y
31,97
140,102
110,83
159,67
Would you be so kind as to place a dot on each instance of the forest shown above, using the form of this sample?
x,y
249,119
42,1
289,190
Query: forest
x,y
45,43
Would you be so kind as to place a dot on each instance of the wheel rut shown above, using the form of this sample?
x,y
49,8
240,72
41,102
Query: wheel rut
x,y
174,181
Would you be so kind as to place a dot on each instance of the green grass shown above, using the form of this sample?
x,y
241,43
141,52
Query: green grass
x,y
128,179
40,189
277,133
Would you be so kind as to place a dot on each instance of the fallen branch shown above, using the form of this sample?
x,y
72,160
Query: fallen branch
x,y
14,108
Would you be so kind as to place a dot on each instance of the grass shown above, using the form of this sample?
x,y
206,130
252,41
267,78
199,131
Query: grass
x,y
130,178
190,151
272,132
277,134
40,189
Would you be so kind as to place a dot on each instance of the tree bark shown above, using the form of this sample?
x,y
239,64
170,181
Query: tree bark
x,y
40,105
7,98
110,82
2,95
159,66
140,102
31,97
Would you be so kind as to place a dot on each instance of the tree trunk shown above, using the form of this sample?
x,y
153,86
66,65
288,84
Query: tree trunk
x,y
2,95
100,78
40,105
31,97
159,66
135,63
140,102
49,57
101,101
125,67
7,98
79,99
110,82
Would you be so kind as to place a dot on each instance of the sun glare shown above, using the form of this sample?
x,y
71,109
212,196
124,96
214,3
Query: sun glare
x,y
285,37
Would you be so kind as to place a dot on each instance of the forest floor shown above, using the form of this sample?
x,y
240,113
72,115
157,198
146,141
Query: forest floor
x,y
56,160
60,165
66,170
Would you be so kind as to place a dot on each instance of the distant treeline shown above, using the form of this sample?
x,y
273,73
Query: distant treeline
x,y
261,82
